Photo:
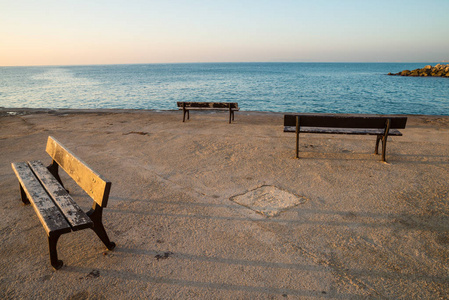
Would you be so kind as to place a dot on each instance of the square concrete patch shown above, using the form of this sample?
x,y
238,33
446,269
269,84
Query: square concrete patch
x,y
268,200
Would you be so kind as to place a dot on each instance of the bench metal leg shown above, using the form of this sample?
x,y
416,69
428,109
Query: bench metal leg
x,y
376,150
96,215
297,136
385,138
101,233
384,148
23,195
297,145
52,241
184,113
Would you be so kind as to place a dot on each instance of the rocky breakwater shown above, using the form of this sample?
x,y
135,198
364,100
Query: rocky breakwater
x,y
438,71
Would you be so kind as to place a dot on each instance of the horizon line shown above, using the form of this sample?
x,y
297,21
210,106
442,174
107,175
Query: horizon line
x,y
230,62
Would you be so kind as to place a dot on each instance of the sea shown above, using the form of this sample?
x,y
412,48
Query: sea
x,y
269,87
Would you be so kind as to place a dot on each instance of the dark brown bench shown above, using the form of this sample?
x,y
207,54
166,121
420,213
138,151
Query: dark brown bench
x,y
58,212
381,126
187,106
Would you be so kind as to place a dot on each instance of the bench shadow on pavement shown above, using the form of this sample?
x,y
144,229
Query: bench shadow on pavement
x,y
398,221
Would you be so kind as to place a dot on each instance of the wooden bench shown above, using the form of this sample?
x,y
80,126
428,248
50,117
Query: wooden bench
x,y
187,106
381,126
58,212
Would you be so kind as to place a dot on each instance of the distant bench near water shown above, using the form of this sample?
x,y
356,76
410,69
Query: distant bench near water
x,y
225,106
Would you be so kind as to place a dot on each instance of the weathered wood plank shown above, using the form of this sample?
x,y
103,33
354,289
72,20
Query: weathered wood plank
x,y
94,184
76,217
345,121
210,105
208,108
49,214
355,131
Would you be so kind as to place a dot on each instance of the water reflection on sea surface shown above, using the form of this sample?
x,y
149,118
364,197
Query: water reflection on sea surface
x,y
279,87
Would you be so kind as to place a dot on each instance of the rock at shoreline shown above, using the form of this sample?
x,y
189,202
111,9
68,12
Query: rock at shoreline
x,y
438,71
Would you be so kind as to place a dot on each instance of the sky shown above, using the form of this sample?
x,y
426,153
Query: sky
x,y
84,32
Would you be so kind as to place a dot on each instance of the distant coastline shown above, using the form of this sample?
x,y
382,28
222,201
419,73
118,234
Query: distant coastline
x,y
437,71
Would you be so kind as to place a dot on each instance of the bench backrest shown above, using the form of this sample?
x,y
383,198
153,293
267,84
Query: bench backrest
x,y
208,104
345,121
95,185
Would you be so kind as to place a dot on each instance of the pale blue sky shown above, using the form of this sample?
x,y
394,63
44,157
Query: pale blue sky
x,y
114,32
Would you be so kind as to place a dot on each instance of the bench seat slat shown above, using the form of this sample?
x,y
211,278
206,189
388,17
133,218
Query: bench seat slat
x,y
209,108
210,105
76,217
49,214
357,131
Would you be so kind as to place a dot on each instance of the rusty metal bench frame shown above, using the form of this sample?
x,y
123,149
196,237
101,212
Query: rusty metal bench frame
x,y
379,125
226,106
58,212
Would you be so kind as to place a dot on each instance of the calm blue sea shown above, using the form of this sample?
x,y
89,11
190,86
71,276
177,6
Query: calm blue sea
x,y
275,87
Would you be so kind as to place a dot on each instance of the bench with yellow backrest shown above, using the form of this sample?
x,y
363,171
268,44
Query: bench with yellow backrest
x,y
57,211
